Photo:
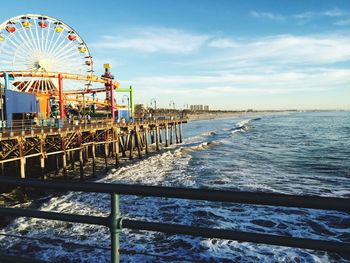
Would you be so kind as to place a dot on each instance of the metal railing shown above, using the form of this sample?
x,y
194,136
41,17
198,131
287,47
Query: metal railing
x,y
42,124
115,222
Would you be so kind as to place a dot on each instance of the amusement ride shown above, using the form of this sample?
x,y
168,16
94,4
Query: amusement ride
x,y
46,57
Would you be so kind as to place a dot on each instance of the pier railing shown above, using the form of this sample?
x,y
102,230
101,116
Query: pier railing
x,y
41,124
115,221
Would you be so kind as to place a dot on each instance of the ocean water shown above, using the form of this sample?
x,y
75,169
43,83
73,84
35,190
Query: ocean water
x,y
292,153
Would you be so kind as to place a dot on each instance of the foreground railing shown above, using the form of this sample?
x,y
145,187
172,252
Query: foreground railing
x,y
116,223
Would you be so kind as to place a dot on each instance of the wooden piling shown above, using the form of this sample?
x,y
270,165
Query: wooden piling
x,y
42,168
160,135
176,136
157,138
93,157
131,146
171,134
166,136
146,140
23,167
180,132
152,135
64,165
106,156
81,165
138,143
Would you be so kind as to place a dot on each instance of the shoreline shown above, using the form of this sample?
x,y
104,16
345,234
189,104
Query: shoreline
x,y
220,115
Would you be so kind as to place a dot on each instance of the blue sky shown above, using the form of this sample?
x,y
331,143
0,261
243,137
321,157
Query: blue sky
x,y
228,54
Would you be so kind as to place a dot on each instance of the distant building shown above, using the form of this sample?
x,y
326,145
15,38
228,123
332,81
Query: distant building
x,y
199,107
196,107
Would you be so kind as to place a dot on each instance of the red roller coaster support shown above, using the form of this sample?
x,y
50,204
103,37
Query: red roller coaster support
x,y
60,94
111,86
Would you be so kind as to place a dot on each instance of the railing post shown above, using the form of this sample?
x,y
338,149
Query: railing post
x,y
115,227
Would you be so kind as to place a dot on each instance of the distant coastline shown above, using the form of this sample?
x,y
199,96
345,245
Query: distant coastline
x,y
197,116
221,114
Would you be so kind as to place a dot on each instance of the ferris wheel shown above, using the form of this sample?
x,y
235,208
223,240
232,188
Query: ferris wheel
x,y
39,44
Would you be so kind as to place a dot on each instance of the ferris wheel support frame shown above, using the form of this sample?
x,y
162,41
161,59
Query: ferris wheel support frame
x,y
112,84
61,98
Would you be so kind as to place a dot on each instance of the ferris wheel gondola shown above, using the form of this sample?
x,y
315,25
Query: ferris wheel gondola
x,y
40,43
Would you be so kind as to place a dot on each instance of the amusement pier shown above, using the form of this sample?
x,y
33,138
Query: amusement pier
x,y
57,116
50,119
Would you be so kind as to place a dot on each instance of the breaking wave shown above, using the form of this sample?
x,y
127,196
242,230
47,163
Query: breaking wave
x,y
258,157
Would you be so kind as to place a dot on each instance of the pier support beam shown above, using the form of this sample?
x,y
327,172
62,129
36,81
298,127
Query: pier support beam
x,y
171,134
180,132
81,165
42,168
117,151
131,145
146,140
138,143
166,136
64,165
176,136
152,135
23,167
93,156
157,138
106,156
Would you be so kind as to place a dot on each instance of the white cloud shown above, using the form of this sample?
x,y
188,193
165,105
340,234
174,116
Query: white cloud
x,y
223,43
284,50
267,15
344,22
278,83
151,40
335,12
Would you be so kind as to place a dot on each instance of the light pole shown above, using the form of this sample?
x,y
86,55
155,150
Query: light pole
x,y
153,100
172,103
127,97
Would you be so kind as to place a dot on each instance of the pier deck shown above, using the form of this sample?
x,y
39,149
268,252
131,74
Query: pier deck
x,y
55,148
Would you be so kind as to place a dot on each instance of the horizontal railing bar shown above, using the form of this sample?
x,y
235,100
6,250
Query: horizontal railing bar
x,y
268,239
84,219
272,199
177,229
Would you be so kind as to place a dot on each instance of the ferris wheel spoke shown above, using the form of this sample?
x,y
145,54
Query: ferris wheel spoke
x,y
25,38
62,49
21,85
18,48
47,37
50,43
22,40
29,39
20,61
42,39
58,37
65,55
45,85
58,44
34,39
37,37
69,47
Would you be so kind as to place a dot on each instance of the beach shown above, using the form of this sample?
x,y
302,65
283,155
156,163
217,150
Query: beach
x,y
217,115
